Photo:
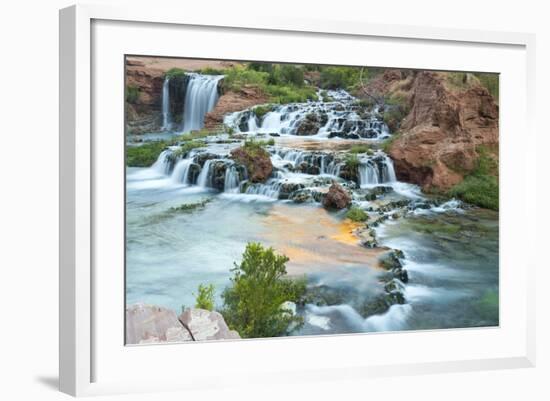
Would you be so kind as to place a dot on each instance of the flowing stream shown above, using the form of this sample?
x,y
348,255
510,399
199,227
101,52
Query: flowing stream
x,y
451,251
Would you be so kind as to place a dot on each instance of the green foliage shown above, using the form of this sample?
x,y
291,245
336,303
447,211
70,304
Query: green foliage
x,y
339,77
252,145
480,187
175,72
478,190
144,155
239,76
203,133
132,94
352,163
205,297
262,110
286,74
363,148
290,94
357,214
490,82
259,287
186,147
211,71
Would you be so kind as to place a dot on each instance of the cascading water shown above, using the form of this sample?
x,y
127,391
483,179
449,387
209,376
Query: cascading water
x,y
205,176
201,97
180,175
162,165
376,171
231,183
166,121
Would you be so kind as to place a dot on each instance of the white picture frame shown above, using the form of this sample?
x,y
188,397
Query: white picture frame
x,y
84,349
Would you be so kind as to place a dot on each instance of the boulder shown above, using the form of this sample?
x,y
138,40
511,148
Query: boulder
x,y
150,324
336,197
257,163
310,125
207,325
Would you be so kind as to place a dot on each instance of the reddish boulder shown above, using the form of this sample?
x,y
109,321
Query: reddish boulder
x,y
257,162
336,197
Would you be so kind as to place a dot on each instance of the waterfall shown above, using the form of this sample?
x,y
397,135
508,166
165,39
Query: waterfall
x,y
205,176
231,183
270,189
376,172
180,175
162,165
166,123
200,98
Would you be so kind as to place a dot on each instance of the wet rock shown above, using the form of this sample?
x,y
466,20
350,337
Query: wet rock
x,y
310,125
257,163
301,196
390,260
381,304
287,188
375,192
193,174
336,197
324,295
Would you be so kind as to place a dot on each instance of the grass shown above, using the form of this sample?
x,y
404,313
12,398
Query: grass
x,y
144,155
253,146
480,187
386,145
356,214
175,72
186,147
189,207
361,149
352,163
490,82
262,110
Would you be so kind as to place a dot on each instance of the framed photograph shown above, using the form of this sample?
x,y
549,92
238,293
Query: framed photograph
x,y
294,200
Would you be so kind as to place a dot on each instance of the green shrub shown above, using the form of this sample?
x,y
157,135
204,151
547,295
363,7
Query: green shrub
x,y
290,94
211,71
356,214
259,287
339,77
261,111
144,155
205,297
174,72
352,163
286,74
238,76
132,94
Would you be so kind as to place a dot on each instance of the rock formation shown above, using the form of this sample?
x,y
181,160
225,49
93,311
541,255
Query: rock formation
x,y
146,324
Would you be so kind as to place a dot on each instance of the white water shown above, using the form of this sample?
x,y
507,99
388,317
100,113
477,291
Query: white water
x,y
205,176
341,116
180,175
166,120
200,98
372,172
231,183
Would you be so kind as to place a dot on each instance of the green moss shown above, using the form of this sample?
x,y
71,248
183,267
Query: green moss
x,y
352,163
386,145
357,214
144,155
186,147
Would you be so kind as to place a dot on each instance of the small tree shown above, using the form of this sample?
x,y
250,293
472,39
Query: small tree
x,y
205,297
253,302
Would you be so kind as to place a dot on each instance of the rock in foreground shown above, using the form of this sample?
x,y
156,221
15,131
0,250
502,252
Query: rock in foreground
x,y
206,325
336,197
146,324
